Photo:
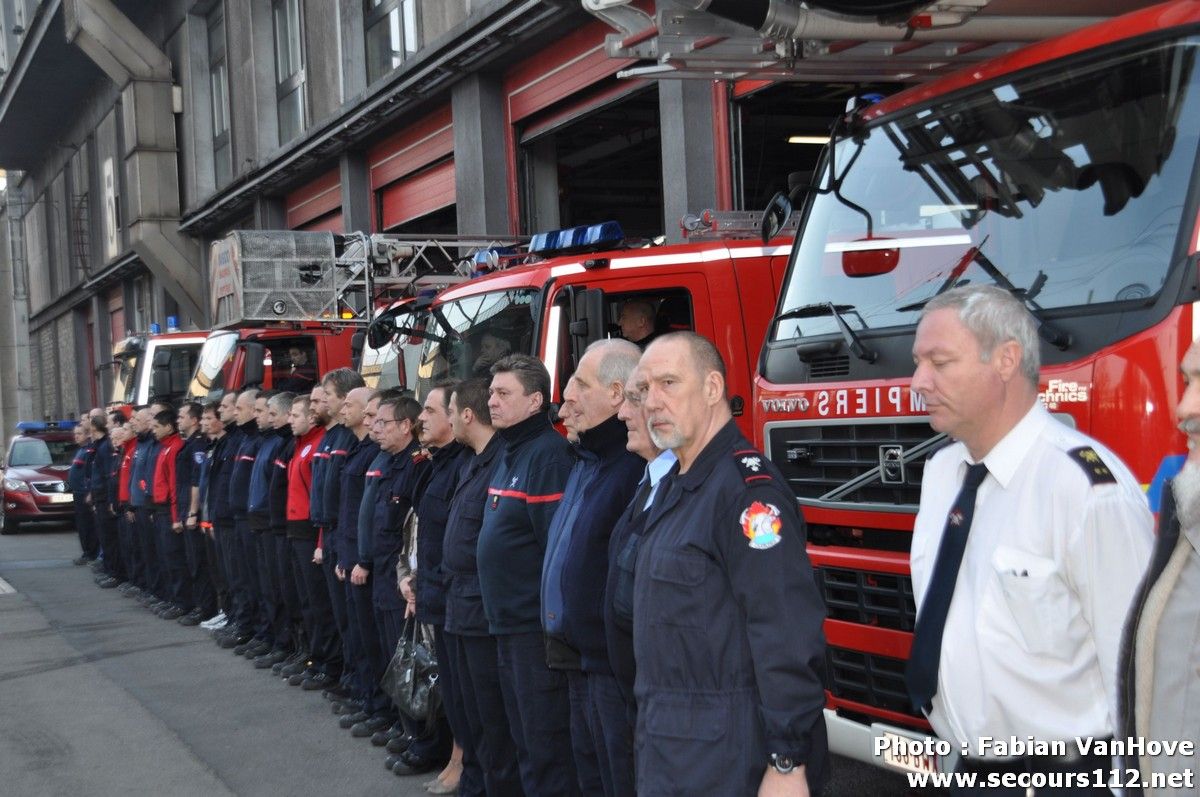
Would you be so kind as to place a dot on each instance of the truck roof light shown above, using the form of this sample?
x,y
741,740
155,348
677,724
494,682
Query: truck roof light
x,y
592,237
155,328
46,426
172,323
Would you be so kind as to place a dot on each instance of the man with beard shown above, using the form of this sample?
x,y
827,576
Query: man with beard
x,y
1026,550
1160,664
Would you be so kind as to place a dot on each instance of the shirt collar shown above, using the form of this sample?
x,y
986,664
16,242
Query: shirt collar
x,y
1006,456
660,466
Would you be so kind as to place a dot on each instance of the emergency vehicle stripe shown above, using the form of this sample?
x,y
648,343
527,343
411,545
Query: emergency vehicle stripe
x,y
526,497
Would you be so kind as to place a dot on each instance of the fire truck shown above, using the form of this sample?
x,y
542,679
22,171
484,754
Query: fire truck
x,y
288,307
567,288
154,365
1064,172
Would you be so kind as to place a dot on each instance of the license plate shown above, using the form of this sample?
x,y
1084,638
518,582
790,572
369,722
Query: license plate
x,y
897,756
61,498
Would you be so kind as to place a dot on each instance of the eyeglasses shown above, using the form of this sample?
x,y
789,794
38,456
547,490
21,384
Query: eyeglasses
x,y
382,422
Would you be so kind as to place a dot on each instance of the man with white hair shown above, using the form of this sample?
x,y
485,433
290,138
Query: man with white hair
x,y
1027,549
1160,662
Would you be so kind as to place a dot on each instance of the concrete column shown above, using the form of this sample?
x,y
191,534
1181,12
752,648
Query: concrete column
x,y
16,384
689,171
356,192
351,39
542,169
481,177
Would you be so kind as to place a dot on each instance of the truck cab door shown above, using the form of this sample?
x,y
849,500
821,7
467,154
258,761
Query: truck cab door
x,y
587,322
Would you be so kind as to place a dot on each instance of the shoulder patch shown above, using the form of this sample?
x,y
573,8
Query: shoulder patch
x,y
1093,466
751,464
761,524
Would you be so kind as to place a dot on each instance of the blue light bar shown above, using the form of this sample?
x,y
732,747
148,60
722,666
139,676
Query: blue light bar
x,y
45,426
596,236
155,328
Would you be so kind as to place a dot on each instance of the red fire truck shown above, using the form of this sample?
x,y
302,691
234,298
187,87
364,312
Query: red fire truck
x,y
1064,172
722,284
154,365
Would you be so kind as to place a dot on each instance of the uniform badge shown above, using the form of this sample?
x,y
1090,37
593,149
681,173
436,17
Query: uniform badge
x,y
955,518
1093,466
761,525
752,463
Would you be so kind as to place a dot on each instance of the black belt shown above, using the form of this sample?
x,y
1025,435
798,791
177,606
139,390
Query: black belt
x,y
1073,760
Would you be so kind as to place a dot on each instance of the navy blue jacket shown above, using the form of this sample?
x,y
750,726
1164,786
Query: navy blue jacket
x,y
378,471
220,472
187,472
326,503
352,472
464,597
392,503
141,473
433,495
101,462
599,488
76,476
278,486
522,497
242,469
258,505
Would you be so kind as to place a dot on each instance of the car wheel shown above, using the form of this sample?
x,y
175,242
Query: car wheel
x,y
7,524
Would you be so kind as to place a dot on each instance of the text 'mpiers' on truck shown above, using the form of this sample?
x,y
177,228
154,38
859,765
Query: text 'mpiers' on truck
x,y
1065,173
288,307
580,285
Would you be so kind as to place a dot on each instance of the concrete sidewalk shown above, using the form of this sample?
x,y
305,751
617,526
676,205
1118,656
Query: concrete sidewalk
x,y
100,697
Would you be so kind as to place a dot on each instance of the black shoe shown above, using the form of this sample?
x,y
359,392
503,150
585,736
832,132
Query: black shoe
x,y
318,680
80,561
95,564
173,613
369,727
194,617
336,693
297,667
108,582
398,745
412,765
257,649
298,656
347,706
299,678
233,640
270,658
240,650
380,738
348,721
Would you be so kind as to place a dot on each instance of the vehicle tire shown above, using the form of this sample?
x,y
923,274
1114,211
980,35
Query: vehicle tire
x,y
7,524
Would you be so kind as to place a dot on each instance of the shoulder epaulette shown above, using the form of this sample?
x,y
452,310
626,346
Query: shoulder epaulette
x,y
750,464
1093,466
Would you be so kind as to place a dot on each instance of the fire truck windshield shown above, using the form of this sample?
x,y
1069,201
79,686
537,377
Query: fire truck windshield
x,y
215,357
1066,187
125,377
468,335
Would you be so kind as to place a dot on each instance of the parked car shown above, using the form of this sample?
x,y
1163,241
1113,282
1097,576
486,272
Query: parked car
x,y
34,474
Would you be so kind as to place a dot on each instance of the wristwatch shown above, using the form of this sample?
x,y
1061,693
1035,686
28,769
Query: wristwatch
x,y
783,763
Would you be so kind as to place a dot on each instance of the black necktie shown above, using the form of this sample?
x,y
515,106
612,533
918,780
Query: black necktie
x,y
922,673
639,498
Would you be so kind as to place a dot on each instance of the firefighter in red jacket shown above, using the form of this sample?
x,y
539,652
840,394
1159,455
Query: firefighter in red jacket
x,y
167,513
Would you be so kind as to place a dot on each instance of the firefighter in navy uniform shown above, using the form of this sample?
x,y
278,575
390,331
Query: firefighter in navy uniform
x,y
727,618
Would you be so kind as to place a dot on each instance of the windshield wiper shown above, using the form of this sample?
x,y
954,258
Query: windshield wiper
x,y
853,343
1056,336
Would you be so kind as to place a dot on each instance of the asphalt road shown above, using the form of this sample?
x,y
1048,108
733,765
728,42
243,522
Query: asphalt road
x,y
100,697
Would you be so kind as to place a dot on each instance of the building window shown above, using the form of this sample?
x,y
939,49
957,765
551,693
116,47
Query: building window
x,y
392,34
218,78
289,69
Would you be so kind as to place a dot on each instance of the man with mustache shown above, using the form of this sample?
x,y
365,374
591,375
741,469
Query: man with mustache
x,y
1160,663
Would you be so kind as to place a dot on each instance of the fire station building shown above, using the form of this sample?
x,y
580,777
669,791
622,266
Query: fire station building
x,y
135,133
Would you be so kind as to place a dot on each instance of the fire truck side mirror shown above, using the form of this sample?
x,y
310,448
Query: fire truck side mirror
x,y
253,373
872,261
357,340
778,211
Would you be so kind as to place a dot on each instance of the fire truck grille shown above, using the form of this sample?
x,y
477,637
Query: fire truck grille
x,y
865,678
880,600
876,463
828,367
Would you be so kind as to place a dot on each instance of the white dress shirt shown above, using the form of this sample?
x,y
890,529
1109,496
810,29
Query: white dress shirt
x,y
1051,566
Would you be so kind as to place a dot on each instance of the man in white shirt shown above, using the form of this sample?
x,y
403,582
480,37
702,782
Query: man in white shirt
x,y
1022,583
